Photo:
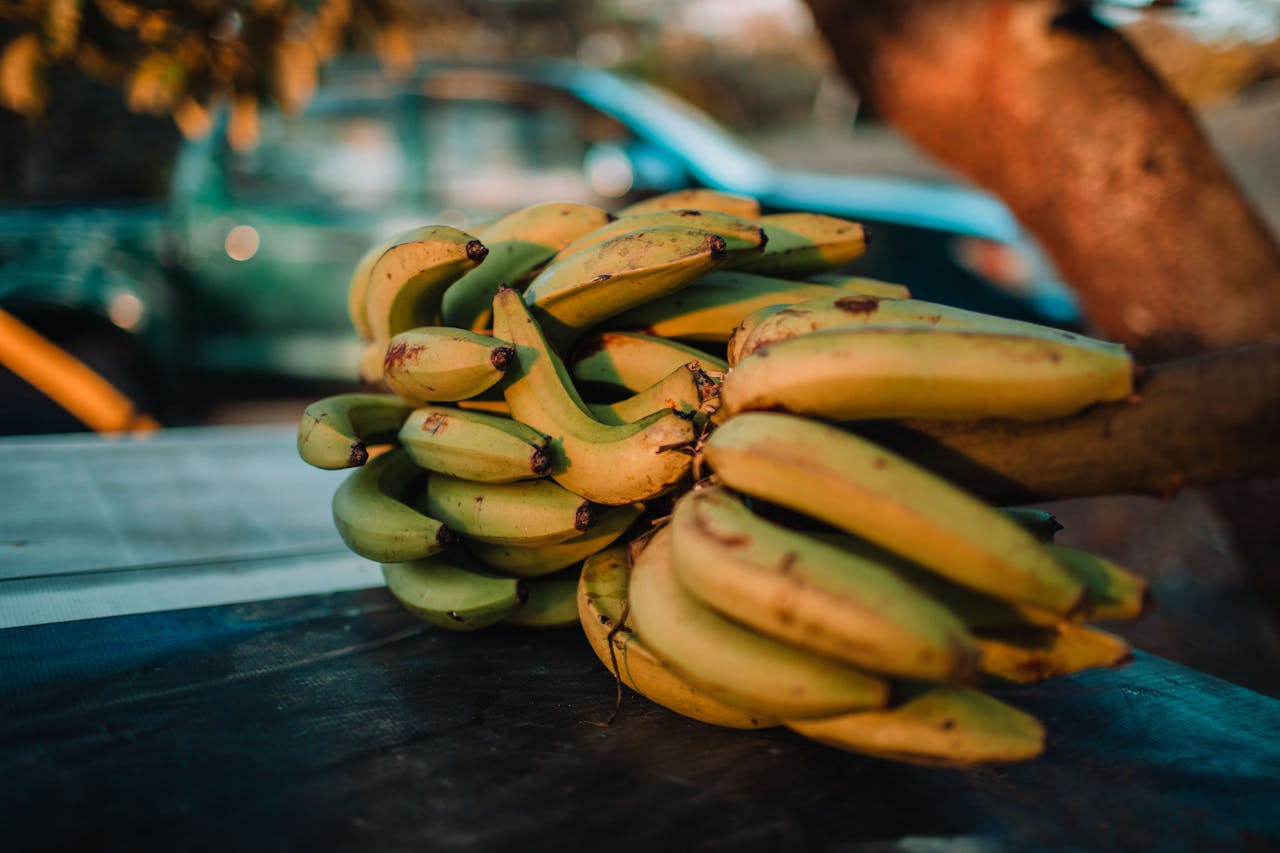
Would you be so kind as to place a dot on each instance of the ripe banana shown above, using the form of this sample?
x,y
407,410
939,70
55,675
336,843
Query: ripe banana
x,y
683,390
741,236
446,593
862,284
802,244
408,280
1027,655
537,560
519,244
696,198
855,374
442,363
1114,592
604,463
633,361
734,663
552,601
937,725
358,287
588,287
603,614
476,446
337,431
369,364
824,472
528,512
798,589
374,516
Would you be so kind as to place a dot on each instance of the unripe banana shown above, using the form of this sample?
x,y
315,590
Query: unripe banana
x,y
443,364
373,513
856,374
802,244
1114,592
733,663
829,474
938,725
1028,655
552,601
604,463
476,446
683,390
528,512
519,244
408,280
448,594
797,589
633,361
741,236
696,198
337,431
536,560
1038,522
602,612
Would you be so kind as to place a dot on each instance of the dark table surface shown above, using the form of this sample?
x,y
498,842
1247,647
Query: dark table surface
x,y
238,709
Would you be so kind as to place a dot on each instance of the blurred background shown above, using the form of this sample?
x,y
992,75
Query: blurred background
x,y
185,187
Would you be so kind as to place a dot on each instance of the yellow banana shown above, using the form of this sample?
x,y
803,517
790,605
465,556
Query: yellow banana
x,y
733,663
696,198
536,560
408,280
528,512
742,236
633,361
603,614
337,431
474,445
442,363
855,374
801,244
374,516
552,601
1114,592
798,589
446,593
683,390
357,289
832,475
1028,655
604,463
937,725
369,364
519,244
862,284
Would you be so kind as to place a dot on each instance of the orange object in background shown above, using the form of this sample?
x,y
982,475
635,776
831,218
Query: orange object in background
x,y
67,381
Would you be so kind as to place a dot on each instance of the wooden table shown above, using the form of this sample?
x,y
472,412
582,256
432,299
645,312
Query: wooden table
x,y
190,660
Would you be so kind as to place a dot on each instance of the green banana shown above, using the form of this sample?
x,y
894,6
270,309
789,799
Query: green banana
x,y
741,236
408,280
603,613
1038,522
374,516
937,725
519,244
528,512
822,471
1027,655
633,361
337,431
855,374
683,390
477,446
443,364
446,593
584,289
1114,592
733,663
536,560
604,463
552,601
798,589
696,198
802,244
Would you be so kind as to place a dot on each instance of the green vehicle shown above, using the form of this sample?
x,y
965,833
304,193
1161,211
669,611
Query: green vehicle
x,y
241,275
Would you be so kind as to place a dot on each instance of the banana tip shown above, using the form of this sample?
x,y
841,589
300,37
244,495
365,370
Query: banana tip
x,y
476,251
359,454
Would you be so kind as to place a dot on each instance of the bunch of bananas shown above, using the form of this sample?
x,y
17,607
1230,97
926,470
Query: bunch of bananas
x,y
549,391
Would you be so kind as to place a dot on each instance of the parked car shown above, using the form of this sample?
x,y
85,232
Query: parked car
x,y
243,271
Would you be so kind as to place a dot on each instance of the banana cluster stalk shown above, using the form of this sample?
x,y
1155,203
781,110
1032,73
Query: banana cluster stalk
x,y
643,422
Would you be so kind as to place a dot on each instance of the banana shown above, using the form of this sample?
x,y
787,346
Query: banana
x,y
603,614
588,287
528,512
683,390
476,446
337,431
1038,522
408,280
446,593
733,663
358,287
374,516
862,284
496,406
741,236
1114,592
1028,655
937,725
442,363
633,361
604,463
552,601
824,472
535,561
369,364
846,310
519,244
802,244
854,374
696,198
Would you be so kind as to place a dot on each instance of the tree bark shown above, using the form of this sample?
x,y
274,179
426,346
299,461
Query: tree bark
x,y
1049,109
